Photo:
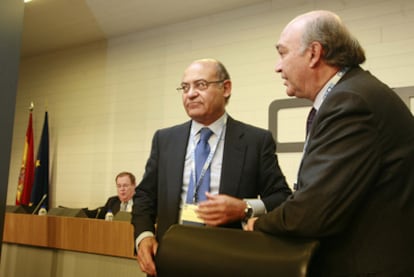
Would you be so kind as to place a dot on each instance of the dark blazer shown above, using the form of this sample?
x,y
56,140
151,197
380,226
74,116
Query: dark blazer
x,y
249,168
113,203
356,183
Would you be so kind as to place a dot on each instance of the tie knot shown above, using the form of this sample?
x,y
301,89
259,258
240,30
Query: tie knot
x,y
205,134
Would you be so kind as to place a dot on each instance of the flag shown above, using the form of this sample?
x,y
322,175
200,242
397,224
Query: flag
x,y
24,187
41,176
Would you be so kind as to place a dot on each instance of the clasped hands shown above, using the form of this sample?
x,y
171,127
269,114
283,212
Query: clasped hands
x,y
220,209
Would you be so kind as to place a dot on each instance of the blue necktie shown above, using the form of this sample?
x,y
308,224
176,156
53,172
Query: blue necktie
x,y
201,153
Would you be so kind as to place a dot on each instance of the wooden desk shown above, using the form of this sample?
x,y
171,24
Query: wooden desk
x,y
95,236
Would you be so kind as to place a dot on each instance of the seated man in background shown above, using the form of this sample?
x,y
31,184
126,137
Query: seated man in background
x,y
125,187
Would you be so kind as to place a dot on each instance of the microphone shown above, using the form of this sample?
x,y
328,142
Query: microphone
x,y
40,204
98,212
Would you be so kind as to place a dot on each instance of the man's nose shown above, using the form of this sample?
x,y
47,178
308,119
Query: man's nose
x,y
192,92
278,66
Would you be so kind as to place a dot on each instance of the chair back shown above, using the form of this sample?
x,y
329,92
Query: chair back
x,y
207,251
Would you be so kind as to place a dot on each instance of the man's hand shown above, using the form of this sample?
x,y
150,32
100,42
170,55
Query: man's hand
x,y
221,209
250,224
147,249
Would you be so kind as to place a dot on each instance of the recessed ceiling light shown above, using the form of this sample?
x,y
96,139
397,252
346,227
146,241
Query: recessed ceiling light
x,y
27,1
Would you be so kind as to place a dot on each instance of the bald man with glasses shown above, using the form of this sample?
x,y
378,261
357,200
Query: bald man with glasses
x,y
211,170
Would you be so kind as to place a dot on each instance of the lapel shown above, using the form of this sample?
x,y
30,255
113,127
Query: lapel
x,y
342,82
115,204
175,153
233,158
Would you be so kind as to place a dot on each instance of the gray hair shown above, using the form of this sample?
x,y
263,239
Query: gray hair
x,y
222,72
340,48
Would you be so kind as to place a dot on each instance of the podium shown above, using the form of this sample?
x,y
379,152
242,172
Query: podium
x,y
95,236
61,246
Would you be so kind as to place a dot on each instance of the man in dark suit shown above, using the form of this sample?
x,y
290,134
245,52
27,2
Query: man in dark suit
x,y
242,166
355,187
125,188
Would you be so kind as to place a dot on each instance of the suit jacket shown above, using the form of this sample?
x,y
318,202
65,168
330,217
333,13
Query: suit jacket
x,y
113,203
356,183
249,168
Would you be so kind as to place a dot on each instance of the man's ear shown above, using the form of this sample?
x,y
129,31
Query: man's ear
x,y
227,88
316,51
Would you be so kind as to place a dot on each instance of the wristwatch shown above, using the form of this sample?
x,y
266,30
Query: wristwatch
x,y
248,211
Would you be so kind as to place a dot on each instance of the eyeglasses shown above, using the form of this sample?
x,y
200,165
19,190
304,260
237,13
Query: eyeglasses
x,y
199,85
123,186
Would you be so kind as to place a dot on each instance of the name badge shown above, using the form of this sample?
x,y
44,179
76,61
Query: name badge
x,y
189,215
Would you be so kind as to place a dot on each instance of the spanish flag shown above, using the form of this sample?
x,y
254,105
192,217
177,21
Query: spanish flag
x,y
24,187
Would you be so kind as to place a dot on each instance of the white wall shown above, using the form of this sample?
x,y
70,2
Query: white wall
x,y
106,99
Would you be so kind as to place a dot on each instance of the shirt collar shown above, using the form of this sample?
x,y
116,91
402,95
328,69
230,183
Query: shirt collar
x,y
216,126
320,97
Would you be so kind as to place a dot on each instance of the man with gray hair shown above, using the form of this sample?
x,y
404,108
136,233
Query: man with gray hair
x,y
355,186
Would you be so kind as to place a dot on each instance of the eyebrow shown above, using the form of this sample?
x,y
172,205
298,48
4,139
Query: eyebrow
x,y
281,48
194,81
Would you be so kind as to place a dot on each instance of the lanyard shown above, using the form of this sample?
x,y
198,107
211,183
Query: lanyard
x,y
206,165
325,91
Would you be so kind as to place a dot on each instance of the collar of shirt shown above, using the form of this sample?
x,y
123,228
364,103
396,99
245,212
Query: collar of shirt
x,y
128,206
320,97
128,203
216,127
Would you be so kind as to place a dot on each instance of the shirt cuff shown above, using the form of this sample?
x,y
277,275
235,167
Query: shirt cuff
x,y
143,235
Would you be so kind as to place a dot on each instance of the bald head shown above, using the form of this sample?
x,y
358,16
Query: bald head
x,y
340,48
313,15
221,71
312,48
